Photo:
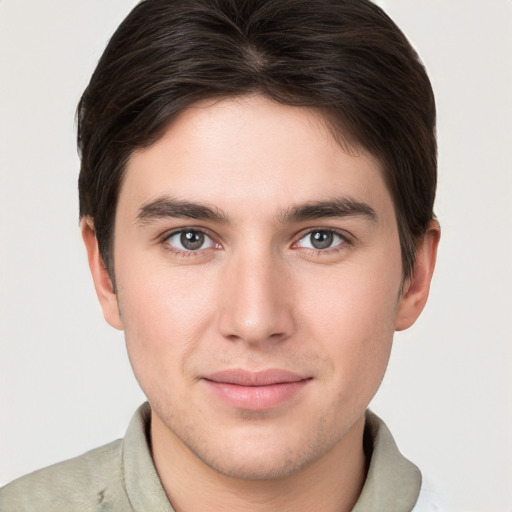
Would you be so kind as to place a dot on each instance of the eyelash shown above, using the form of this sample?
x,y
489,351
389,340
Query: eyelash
x,y
343,245
346,242
186,253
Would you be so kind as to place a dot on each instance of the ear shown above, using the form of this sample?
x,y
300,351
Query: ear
x,y
102,282
416,288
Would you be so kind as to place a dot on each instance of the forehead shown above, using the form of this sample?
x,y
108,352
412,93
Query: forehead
x,y
251,151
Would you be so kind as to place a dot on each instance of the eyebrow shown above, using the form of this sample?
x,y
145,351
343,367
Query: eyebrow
x,y
338,207
168,207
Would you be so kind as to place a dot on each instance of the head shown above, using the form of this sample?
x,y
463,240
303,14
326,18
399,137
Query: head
x,y
256,197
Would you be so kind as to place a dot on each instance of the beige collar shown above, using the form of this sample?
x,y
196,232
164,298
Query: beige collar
x,y
392,484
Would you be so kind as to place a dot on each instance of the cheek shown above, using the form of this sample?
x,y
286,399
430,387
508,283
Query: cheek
x,y
165,315
354,301
351,315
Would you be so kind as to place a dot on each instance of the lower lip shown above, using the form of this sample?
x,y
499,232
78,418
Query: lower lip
x,y
256,398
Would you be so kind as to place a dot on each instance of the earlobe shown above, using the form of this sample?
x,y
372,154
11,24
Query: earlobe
x,y
102,282
416,288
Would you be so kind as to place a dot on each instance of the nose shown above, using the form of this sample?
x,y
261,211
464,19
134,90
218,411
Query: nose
x,y
256,300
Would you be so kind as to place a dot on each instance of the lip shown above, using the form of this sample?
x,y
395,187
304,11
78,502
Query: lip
x,y
256,391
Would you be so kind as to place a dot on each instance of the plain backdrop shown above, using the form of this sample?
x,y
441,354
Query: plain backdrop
x,y
65,381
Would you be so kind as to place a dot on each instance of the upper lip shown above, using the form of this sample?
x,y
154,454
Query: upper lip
x,y
241,377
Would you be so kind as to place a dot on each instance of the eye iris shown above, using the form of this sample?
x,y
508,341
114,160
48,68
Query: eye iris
x,y
192,240
322,239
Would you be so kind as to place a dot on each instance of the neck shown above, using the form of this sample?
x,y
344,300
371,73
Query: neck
x,y
332,483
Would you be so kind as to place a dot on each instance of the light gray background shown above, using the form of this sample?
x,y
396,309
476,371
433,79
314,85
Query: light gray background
x,y
65,381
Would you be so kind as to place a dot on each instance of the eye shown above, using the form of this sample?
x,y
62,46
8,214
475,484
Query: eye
x,y
190,240
321,239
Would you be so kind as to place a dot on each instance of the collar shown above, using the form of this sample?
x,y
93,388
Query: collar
x,y
143,485
392,483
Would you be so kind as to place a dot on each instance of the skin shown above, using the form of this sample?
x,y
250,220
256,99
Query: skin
x,y
257,295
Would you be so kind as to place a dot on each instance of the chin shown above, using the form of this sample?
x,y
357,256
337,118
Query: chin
x,y
257,468
262,459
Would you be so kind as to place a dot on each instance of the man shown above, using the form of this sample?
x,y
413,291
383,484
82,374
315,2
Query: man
x,y
256,201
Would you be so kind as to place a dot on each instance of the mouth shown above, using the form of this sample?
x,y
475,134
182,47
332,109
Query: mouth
x,y
256,391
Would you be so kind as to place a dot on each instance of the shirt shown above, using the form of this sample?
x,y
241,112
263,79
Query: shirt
x,y
121,476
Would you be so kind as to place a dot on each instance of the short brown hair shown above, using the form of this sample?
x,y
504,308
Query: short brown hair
x,y
346,58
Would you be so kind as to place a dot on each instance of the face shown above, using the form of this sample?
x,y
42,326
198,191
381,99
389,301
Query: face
x,y
258,276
